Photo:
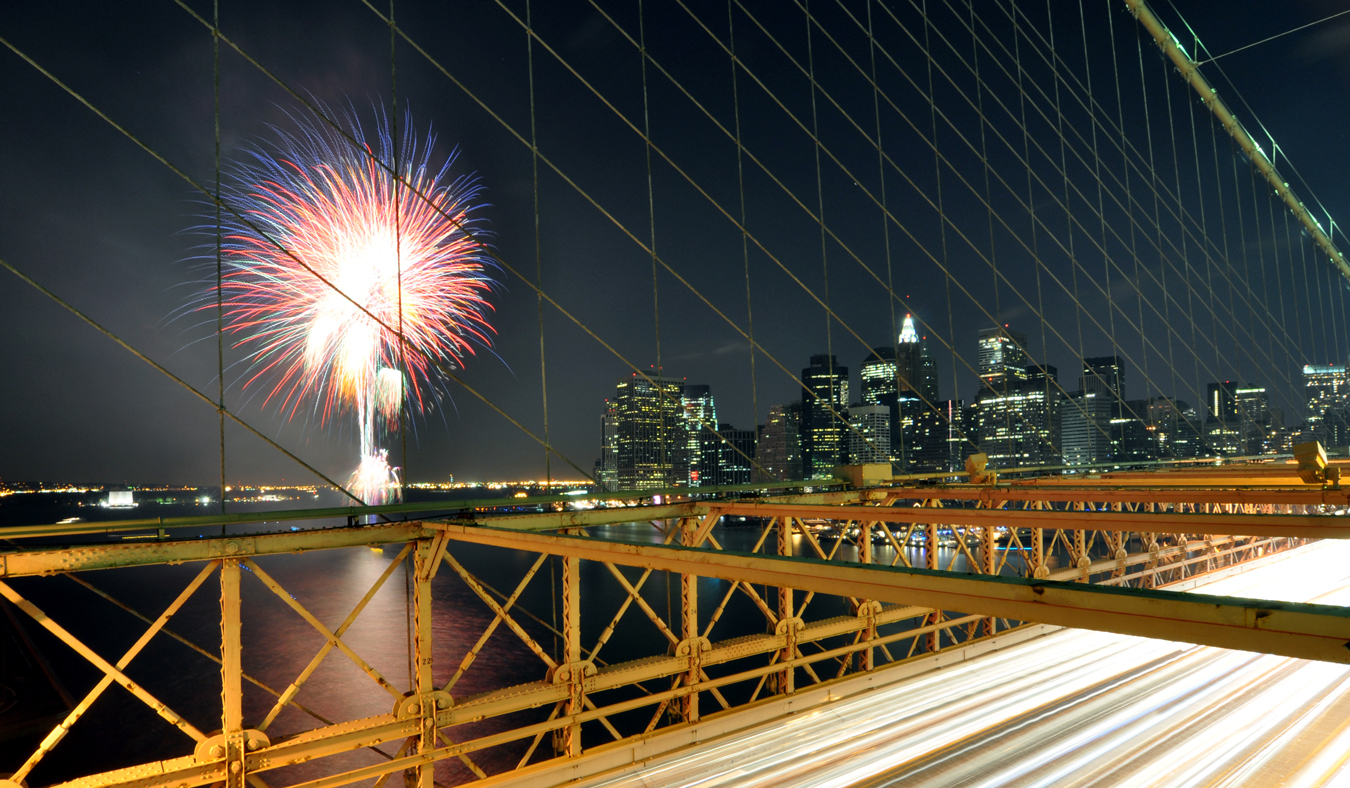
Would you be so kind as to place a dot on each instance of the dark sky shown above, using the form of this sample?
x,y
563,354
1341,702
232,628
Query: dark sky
x,y
107,227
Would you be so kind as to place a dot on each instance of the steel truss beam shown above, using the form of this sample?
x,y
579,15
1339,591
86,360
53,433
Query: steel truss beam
x,y
1289,525
1319,632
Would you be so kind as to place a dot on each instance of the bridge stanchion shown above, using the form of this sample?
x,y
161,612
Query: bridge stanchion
x,y
231,685
930,561
689,529
989,553
567,740
425,559
786,679
867,607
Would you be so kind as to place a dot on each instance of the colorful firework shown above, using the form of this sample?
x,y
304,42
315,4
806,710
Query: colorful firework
x,y
333,258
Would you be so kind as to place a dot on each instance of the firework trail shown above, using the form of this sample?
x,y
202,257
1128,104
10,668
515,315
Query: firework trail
x,y
335,244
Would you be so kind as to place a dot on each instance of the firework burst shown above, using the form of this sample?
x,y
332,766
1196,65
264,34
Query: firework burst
x,y
333,258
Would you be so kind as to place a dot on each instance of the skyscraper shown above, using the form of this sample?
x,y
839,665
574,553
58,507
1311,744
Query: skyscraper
x,y
1019,421
906,366
649,430
1328,390
1085,428
1086,418
1255,420
869,437
607,467
824,410
697,458
779,451
1003,359
1327,386
1223,426
735,455
1103,375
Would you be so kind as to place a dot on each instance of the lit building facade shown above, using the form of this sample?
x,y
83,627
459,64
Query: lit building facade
x,y
1085,428
735,452
779,450
607,467
1103,375
1132,435
824,410
869,437
1020,427
1223,424
1002,358
906,366
696,458
649,431
1327,387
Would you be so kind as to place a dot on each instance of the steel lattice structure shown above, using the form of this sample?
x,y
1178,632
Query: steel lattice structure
x,y
1128,537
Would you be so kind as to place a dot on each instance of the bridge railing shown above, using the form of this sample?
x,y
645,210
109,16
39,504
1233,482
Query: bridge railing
x,y
805,590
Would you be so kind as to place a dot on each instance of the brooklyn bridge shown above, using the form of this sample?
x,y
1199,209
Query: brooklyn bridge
x,y
919,392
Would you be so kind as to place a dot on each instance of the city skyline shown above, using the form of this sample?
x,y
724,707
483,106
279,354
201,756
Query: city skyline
x,y
1023,415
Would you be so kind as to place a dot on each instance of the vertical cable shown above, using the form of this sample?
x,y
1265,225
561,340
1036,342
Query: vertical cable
x,y
1101,204
538,251
405,403
1064,168
1185,256
220,295
661,392
1026,158
1336,330
942,225
1129,211
1310,350
898,427
745,239
1317,329
838,429
1204,235
1157,223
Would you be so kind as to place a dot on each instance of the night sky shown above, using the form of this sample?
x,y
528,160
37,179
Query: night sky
x,y
99,221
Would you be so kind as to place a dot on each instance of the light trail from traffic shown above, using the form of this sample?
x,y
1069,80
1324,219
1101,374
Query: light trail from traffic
x,y
1071,708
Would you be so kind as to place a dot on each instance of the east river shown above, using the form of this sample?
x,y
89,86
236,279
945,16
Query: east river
x,y
278,644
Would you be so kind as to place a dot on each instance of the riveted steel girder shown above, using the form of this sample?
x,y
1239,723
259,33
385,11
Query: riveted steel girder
x,y
1318,632
1308,526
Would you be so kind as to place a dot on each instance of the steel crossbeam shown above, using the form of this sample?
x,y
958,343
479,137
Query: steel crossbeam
x,y
1115,536
1318,632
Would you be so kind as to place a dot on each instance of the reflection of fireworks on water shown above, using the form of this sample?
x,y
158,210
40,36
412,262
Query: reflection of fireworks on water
x,y
333,208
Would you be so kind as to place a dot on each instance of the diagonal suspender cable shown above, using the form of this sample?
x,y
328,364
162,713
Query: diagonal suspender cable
x,y
968,185
538,241
745,241
599,207
220,303
1014,120
171,376
487,250
443,368
663,437
955,171
1182,216
405,408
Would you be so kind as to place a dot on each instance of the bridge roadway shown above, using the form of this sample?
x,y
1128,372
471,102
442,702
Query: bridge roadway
x,y
1069,708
